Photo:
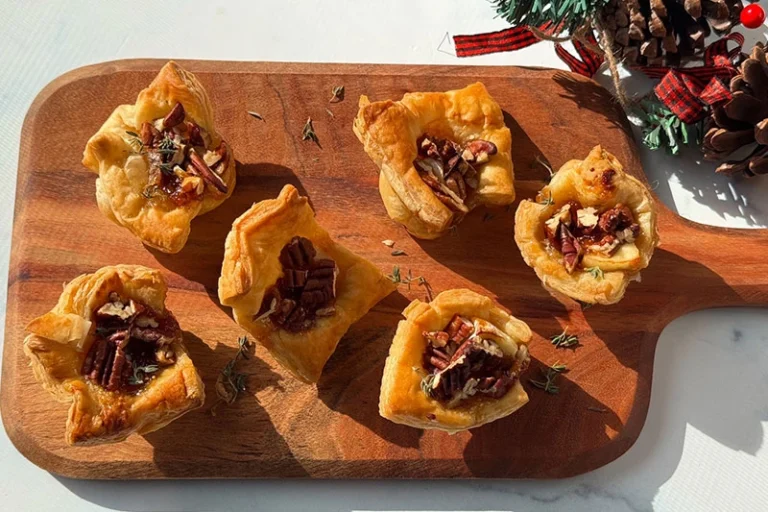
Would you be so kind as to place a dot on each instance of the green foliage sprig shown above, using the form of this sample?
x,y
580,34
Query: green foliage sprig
x,y
566,15
663,129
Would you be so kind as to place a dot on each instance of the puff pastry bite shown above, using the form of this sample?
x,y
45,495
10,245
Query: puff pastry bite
x,y
111,348
440,154
292,287
591,230
455,364
161,161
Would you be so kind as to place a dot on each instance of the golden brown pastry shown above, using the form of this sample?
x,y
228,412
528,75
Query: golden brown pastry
x,y
112,348
440,155
292,287
161,162
590,231
455,364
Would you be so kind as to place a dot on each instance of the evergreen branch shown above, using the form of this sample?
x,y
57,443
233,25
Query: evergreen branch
x,y
565,15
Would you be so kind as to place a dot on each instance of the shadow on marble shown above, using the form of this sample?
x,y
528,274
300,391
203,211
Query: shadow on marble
x,y
200,259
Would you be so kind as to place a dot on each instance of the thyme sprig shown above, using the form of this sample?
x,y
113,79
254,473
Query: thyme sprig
x,y
397,278
338,94
564,340
134,140
545,165
548,384
167,146
230,383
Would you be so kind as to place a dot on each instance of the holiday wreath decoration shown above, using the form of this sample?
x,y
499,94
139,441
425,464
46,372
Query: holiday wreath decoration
x,y
708,95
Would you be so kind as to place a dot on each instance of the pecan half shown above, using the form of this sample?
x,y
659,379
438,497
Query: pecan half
x,y
306,291
571,249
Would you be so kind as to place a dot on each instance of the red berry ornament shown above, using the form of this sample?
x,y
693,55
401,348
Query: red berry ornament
x,y
752,16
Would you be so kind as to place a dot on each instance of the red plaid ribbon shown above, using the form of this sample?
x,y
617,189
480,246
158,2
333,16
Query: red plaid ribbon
x,y
494,42
516,38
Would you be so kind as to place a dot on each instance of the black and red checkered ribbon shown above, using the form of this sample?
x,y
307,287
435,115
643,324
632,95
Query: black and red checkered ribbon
x,y
515,38
685,91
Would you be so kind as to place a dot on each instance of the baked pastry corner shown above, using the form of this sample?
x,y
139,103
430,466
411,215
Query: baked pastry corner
x,y
112,349
161,161
291,286
455,364
440,155
590,231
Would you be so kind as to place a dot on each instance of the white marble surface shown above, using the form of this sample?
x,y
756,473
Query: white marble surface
x,y
702,447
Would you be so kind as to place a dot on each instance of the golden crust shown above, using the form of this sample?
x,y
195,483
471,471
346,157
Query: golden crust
x,y
59,341
122,177
402,399
251,267
582,181
389,131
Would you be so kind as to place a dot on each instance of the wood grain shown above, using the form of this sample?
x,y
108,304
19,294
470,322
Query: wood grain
x,y
282,428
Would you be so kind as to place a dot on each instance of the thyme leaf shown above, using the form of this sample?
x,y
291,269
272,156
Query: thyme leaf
x,y
395,275
256,115
488,216
596,272
564,339
140,374
337,94
398,252
308,132
330,113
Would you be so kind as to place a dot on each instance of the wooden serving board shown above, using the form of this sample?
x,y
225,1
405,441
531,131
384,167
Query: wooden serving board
x,y
280,427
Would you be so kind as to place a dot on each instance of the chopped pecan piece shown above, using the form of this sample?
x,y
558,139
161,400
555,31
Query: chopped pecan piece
x,y
461,364
206,172
174,117
129,336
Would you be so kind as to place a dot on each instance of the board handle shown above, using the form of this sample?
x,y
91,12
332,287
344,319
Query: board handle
x,y
711,266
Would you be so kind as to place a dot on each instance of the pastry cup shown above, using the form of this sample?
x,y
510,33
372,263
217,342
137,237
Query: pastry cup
x,y
402,399
389,131
251,267
123,176
598,181
59,342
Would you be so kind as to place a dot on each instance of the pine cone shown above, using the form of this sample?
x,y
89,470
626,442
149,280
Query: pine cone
x,y
658,32
743,120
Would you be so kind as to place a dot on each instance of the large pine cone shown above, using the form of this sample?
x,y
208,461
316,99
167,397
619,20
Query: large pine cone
x,y
659,32
743,120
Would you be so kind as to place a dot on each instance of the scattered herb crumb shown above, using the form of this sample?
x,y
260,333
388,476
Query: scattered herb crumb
x,y
564,339
398,252
388,243
330,113
135,142
337,94
230,383
597,409
488,216
308,132
256,115
585,305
